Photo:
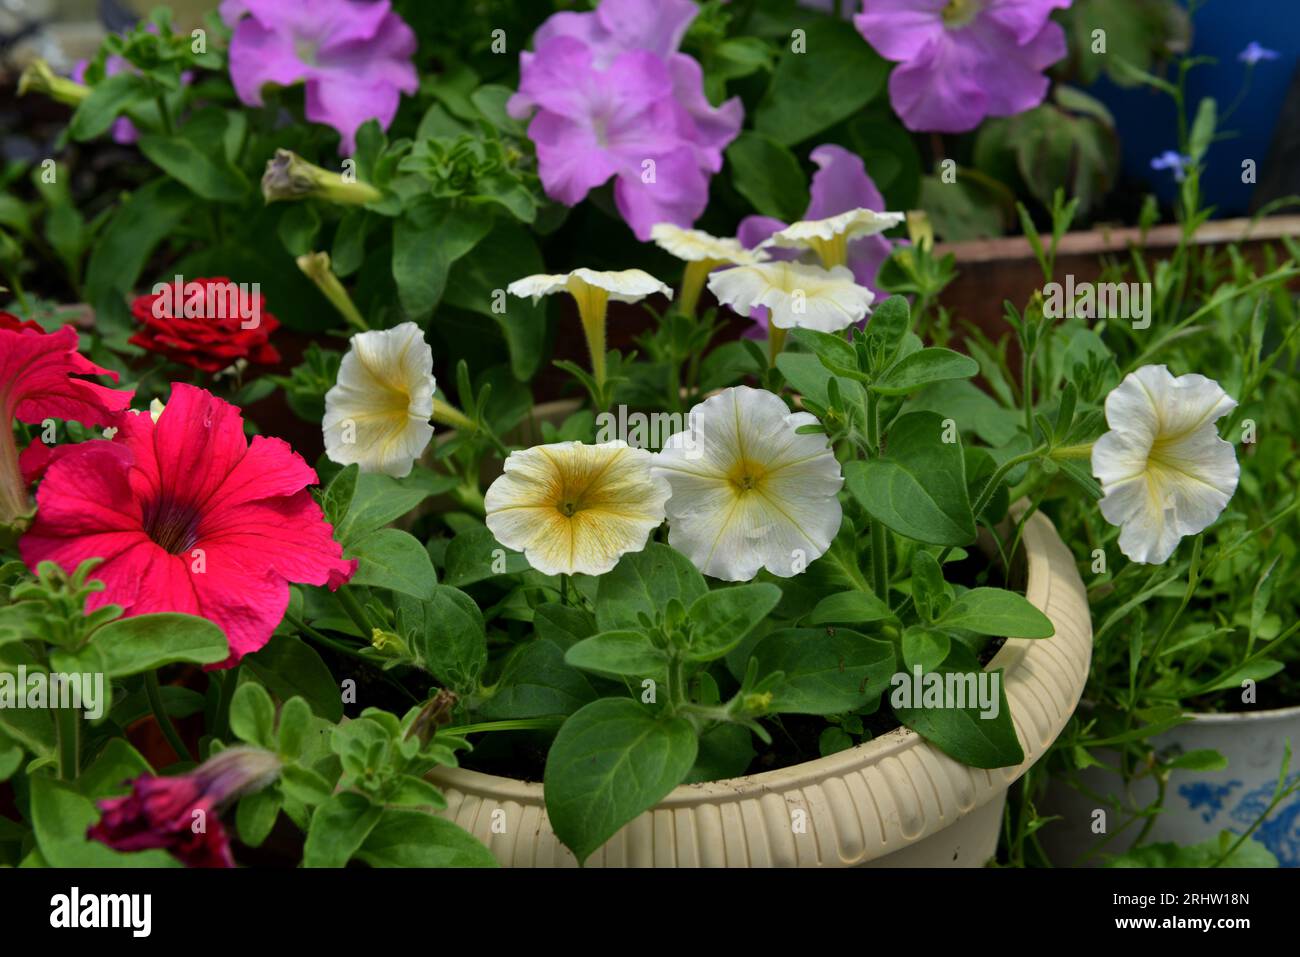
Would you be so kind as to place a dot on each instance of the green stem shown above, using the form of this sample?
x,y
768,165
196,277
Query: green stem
x,y
221,724
68,726
355,611
164,721
879,544
514,724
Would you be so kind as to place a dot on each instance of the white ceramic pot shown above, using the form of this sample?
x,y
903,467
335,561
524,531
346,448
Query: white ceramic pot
x,y
1198,804
893,801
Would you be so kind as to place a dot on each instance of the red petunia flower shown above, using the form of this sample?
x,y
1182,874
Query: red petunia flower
x,y
189,517
37,371
206,323
179,814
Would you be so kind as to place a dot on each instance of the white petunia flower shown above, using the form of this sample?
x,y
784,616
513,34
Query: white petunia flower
x,y
702,254
830,237
749,491
800,296
592,290
1164,469
377,413
574,508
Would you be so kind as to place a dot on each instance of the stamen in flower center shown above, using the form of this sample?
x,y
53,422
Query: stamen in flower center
x,y
747,476
958,13
173,526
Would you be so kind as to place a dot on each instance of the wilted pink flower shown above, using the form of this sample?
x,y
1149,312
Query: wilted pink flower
x,y
840,184
963,60
354,58
614,98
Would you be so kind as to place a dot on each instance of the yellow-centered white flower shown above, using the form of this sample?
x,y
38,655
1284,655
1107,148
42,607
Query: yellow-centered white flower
x,y
377,413
748,491
592,290
702,253
829,238
1164,470
574,508
798,295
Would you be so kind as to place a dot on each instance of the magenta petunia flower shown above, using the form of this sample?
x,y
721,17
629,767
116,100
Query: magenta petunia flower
x,y
160,812
188,517
963,60
614,99
840,184
353,57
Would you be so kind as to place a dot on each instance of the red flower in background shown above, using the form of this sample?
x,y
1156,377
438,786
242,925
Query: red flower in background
x,y
189,516
160,813
206,323
37,382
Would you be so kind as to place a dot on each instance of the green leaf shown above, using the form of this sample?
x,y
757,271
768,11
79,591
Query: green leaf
x,y
447,634
918,488
114,766
814,88
929,590
130,646
208,175
393,559
1203,759
60,818
338,829
924,647
474,555
336,500
612,760
252,715
563,624
997,612
849,608
837,355
768,175
642,583
721,619
536,682
890,323
294,726
427,240
255,816
1205,854
407,838
923,368
826,671
618,654
374,501
106,102
288,667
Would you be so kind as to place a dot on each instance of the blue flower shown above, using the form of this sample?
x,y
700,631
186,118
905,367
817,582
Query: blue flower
x,y
1172,160
1254,53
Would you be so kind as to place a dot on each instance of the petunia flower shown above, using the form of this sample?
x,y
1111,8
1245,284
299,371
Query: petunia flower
x,y
702,254
574,508
611,97
38,381
840,185
799,296
1164,470
748,490
963,60
377,413
189,516
592,290
829,238
1253,53
180,813
354,58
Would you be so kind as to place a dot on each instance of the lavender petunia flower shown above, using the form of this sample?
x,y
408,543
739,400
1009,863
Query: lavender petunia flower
x,y
840,184
1172,160
963,60
612,98
1254,53
354,58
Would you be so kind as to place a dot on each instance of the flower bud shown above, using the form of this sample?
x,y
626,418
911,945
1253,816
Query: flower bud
x,y
290,177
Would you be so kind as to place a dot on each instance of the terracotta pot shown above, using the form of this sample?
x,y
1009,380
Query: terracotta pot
x,y
893,801
1198,804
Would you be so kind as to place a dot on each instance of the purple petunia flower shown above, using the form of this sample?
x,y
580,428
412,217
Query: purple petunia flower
x,y
612,98
1254,53
963,60
354,58
840,184
1172,160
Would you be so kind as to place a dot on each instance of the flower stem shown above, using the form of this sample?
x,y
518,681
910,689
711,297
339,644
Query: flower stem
x,y
775,342
68,728
355,611
221,723
879,543
514,724
160,715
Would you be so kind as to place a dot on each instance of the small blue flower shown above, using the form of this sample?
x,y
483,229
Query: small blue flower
x,y
1172,160
1254,53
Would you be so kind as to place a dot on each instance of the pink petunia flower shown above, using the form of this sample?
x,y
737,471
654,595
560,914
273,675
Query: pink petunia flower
x,y
37,382
840,184
614,98
963,60
354,58
160,812
189,517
